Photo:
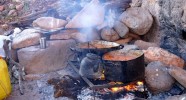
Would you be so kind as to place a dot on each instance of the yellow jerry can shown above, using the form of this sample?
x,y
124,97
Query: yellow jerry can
x,y
5,85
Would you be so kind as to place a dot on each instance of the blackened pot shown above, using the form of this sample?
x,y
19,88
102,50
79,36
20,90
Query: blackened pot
x,y
124,66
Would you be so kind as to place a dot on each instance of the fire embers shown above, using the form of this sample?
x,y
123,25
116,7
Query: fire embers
x,y
136,86
132,90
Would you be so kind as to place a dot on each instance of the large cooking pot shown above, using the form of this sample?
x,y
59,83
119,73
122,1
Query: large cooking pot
x,y
124,66
97,47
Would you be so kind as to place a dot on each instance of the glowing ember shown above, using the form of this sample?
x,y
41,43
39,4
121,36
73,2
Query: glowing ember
x,y
116,89
102,76
131,87
138,86
139,83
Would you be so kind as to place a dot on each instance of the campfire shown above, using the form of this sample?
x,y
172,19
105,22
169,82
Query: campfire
x,y
93,49
138,86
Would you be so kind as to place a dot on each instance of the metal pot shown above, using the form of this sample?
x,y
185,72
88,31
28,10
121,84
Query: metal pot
x,y
124,66
91,66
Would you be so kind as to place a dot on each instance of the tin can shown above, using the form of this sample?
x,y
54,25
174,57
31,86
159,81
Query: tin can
x,y
42,42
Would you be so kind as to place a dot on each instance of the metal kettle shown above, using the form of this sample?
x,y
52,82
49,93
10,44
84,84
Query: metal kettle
x,y
91,66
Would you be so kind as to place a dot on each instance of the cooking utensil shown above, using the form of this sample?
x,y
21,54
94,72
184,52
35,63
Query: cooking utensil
x,y
125,66
97,47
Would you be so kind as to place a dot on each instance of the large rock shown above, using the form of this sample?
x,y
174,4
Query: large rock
x,y
159,54
54,57
177,97
138,20
136,3
49,23
157,77
91,15
143,45
109,34
168,26
26,38
179,74
121,28
64,35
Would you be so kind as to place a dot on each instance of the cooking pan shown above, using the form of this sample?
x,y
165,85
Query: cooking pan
x,y
124,66
97,46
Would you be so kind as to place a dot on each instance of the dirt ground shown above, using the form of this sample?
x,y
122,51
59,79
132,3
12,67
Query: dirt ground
x,y
39,89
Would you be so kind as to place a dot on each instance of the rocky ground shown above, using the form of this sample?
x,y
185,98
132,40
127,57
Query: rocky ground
x,y
63,23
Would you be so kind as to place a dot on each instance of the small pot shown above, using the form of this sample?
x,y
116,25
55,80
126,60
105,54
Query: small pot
x,y
91,66
124,66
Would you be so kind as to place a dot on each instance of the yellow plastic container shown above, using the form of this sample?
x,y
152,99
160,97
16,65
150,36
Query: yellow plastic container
x,y
5,85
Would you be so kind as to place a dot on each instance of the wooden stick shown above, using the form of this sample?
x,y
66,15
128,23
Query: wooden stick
x,y
11,61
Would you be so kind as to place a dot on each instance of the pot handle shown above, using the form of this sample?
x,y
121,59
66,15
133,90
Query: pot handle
x,y
121,46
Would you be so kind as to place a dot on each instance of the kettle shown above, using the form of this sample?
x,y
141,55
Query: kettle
x,y
91,66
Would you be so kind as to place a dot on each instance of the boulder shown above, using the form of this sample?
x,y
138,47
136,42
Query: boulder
x,y
109,34
121,28
177,97
136,3
64,35
157,77
91,15
139,20
159,54
49,23
27,37
179,74
40,61
143,45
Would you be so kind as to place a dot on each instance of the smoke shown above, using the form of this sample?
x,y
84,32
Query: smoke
x,y
88,18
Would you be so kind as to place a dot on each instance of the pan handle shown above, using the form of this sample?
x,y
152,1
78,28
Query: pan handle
x,y
121,46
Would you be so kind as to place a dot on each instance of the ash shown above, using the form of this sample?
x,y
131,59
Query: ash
x,y
88,94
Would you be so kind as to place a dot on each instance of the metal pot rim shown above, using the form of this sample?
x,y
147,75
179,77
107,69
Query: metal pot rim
x,y
109,44
118,60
